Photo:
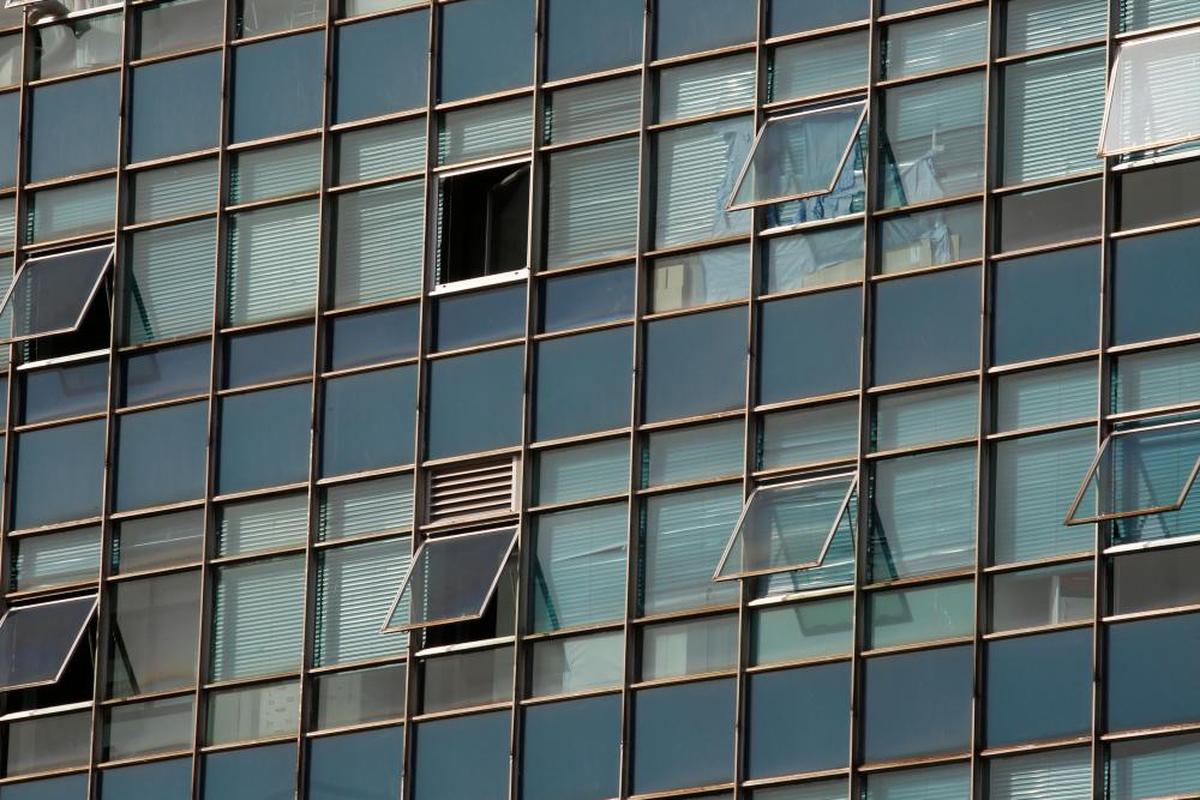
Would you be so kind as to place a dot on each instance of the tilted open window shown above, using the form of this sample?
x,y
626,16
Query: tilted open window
x,y
1153,94
452,579
1141,470
799,155
787,527
37,641
51,294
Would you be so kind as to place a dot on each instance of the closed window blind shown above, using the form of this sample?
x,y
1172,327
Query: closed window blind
x,y
175,190
936,43
949,782
275,171
1158,378
593,203
272,263
1053,108
369,153
258,618
697,169
579,567
568,474
822,65
379,238
682,538
170,279
1150,768
1139,14
706,87
693,453
1061,774
57,558
824,433
594,109
1036,24
836,570
357,509
71,210
262,524
1046,396
355,589
485,131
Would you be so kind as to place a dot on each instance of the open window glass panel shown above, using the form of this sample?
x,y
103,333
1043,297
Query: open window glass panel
x,y
51,294
37,641
1154,94
452,579
786,527
798,155
1140,470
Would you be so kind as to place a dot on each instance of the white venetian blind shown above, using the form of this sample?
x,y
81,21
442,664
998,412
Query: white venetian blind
x,y
593,202
272,263
379,239
355,589
1061,774
170,281
258,618
697,169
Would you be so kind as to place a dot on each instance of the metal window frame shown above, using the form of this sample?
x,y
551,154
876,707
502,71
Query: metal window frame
x,y
87,304
70,650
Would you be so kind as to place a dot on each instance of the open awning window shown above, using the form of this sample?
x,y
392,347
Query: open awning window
x,y
1153,94
786,527
37,641
799,155
51,294
1141,470
451,579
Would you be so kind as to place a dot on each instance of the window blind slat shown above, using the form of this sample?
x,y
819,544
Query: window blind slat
x,y
592,202
683,537
272,263
258,618
171,273
355,589
380,232
1154,768
357,509
1061,774
579,567
1036,24
697,169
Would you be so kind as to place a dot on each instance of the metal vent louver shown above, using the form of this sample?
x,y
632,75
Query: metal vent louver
x,y
478,489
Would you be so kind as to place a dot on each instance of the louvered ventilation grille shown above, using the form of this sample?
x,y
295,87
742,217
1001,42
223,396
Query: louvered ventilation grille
x,y
472,490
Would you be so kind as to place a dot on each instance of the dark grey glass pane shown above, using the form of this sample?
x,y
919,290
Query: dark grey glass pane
x,y
369,420
918,704
475,402
36,641
683,736
162,780
264,438
1045,216
270,355
478,317
70,787
159,541
373,336
70,459
583,383
154,626
277,86
587,36
587,298
793,16
381,66
8,138
161,455
487,46
810,345
73,126
1160,194
256,773
572,750
799,720
688,26
1156,579
927,325
695,364
154,375
178,25
1152,672
441,746
362,765
176,106
1046,305
1154,283
1039,687
65,391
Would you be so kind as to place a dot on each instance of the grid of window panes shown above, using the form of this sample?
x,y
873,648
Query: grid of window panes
x,y
389,272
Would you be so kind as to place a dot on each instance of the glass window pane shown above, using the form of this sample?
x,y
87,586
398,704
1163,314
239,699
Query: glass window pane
x,y
809,260
277,86
571,750
922,614
396,46
1152,278
1036,597
1137,672
253,712
1046,396
809,630
1148,97
360,695
174,191
1142,769
1056,214
259,17
261,524
67,391
51,294
37,640
440,745
697,167
587,298
928,238
8,132
264,438
596,469
579,567
379,151
44,743
263,356
355,588
470,318
1046,305
835,789
73,126
155,624
684,380
1063,774
369,267
161,456
809,435
705,87
832,319
577,663
72,210
170,275
485,47
948,781
267,172
836,569
172,780
159,541
1039,687
683,736
1155,579
387,334
56,559
687,454
585,36
471,678
689,26
926,416
690,647
363,764
1038,24
477,132
368,420
179,25
593,109
592,199
1150,196
819,66
272,270
917,703
936,43
583,383
927,325
799,720
258,618
176,106
475,402
696,279
69,458
250,774
348,510
794,16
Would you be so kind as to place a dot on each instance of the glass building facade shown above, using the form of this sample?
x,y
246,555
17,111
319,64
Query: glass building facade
x,y
594,399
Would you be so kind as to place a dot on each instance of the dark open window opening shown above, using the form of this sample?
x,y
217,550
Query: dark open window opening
x,y
485,222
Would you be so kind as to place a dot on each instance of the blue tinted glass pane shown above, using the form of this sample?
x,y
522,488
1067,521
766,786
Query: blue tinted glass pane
x,y
1039,687
475,402
587,36
571,750
369,420
381,66
799,720
257,773
1047,305
161,455
277,86
162,780
1154,281
695,364
71,787
793,16
688,26
264,438
362,766
810,345
1140,670
490,316
441,747
71,459
683,736
373,336
262,356
583,383
918,703
176,107
8,138
74,126
927,325
66,391
162,374
487,46
587,298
